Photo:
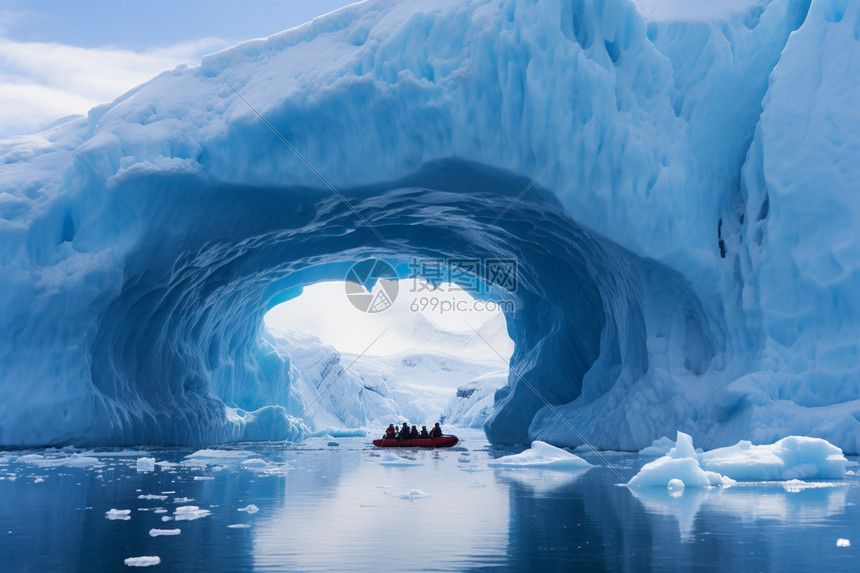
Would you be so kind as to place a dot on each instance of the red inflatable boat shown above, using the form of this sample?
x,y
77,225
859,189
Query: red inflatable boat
x,y
443,442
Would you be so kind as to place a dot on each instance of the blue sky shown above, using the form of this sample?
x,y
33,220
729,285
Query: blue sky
x,y
63,57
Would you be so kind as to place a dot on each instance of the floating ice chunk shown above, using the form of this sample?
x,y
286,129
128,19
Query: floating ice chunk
x,y
73,461
123,514
250,508
201,478
38,479
542,456
675,487
659,447
239,526
220,455
414,495
681,463
144,561
158,532
189,512
182,499
166,517
393,460
145,464
152,496
842,542
160,510
794,457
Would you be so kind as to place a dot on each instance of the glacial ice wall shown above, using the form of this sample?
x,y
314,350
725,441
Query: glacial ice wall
x,y
687,264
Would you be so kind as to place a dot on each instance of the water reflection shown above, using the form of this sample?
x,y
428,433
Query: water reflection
x,y
339,509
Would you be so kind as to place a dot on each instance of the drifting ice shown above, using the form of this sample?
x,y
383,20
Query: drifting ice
x,y
542,455
791,458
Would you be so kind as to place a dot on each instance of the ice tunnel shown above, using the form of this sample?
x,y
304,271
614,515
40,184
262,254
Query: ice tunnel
x,y
660,286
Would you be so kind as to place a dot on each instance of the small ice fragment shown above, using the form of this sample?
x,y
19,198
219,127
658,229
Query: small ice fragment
x,y
413,495
166,518
151,496
123,514
157,532
542,456
38,480
250,508
166,492
201,478
842,542
182,499
190,512
144,561
239,526
675,487
145,464
160,510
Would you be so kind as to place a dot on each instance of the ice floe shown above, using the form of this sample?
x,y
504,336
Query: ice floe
x,y
542,456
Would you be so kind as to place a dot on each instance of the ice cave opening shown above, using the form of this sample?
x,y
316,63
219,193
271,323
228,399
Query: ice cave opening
x,y
423,352
182,354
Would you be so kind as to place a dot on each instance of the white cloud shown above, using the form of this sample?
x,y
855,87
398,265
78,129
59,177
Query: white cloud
x,y
40,82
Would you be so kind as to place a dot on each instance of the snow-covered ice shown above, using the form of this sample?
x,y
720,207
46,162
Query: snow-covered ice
x,y
714,269
792,458
189,513
121,514
544,456
160,532
145,464
145,561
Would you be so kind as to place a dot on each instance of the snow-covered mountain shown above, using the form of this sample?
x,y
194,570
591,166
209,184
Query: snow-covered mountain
x,y
349,390
687,259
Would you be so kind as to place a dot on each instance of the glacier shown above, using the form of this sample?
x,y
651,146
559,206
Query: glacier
x,y
690,263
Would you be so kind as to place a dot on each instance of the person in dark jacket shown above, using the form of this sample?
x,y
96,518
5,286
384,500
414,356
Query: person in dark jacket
x,y
413,433
390,433
424,433
404,431
436,432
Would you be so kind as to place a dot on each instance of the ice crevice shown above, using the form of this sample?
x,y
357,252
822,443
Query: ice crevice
x,y
142,245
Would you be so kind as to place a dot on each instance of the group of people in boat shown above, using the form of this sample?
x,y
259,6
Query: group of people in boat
x,y
413,433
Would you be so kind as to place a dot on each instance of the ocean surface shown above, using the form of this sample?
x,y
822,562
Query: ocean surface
x,y
339,504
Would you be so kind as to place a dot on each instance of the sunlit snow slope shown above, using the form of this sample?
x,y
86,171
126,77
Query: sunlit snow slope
x,y
690,263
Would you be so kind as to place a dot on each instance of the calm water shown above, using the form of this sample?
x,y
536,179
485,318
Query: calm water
x,y
339,508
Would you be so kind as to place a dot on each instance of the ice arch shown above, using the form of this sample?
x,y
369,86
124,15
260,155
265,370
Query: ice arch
x,y
659,288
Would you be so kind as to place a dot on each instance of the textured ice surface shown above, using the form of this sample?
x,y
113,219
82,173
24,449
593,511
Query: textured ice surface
x,y
189,513
159,532
122,514
792,458
690,263
145,561
145,464
542,455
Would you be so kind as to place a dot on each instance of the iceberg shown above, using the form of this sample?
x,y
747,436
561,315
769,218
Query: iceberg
x,y
791,459
542,456
687,247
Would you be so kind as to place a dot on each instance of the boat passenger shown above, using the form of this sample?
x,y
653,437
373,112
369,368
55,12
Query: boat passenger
x,y
404,431
390,433
424,433
436,432
413,433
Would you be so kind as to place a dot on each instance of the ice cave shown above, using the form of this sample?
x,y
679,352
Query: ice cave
x,y
678,193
